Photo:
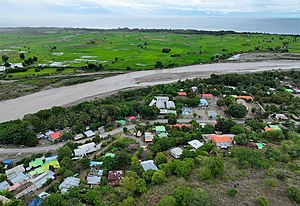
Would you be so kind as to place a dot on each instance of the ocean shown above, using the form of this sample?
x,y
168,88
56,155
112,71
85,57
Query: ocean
x,y
264,25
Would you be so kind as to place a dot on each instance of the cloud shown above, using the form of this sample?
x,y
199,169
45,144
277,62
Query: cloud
x,y
28,10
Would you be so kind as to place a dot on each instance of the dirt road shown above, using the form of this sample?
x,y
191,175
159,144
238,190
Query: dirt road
x,y
17,108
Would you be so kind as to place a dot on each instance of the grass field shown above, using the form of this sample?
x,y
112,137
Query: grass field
x,y
137,50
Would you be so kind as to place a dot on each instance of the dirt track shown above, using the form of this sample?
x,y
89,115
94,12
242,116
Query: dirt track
x,y
17,108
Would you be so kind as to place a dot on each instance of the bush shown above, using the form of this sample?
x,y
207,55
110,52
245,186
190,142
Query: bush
x,y
231,192
261,201
271,182
293,192
280,175
165,50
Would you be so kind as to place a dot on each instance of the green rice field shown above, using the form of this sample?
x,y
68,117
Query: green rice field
x,y
117,50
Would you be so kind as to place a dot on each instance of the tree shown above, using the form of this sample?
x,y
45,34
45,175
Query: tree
x,y
241,139
55,199
67,163
237,129
229,100
276,135
159,177
199,197
5,58
133,183
148,112
110,163
224,125
182,194
160,158
64,152
22,56
85,162
165,50
293,192
214,165
237,110
34,59
167,201
129,201
220,102
158,65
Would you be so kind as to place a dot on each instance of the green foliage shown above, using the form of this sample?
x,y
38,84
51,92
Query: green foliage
x,y
167,201
133,183
160,158
231,192
241,139
55,199
63,152
159,177
212,167
186,196
271,182
224,125
147,175
248,157
129,201
293,192
237,129
182,194
237,110
2,177
276,135
85,162
261,201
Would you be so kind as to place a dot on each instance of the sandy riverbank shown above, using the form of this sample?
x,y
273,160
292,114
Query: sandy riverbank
x,y
17,108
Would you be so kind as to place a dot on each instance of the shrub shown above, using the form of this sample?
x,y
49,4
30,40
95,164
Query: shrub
x,y
293,192
280,175
261,201
231,192
165,50
271,182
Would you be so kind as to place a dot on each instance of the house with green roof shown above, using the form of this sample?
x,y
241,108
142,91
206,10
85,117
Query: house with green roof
x,y
109,155
121,122
163,134
289,90
35,163
275,127
259,146
160,129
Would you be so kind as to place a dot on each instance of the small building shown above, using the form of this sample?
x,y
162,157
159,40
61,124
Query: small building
x,y
149,137
89,133
7,162
163,134
85,149
4,200
131,118
295,117
40,180
16,175
259,145
162,102
281,117
272,127
203,103
110,155
78,136
212,114
101,130
187,111
222,141
166,111
207,96
121,122
179,126
149,165
176,152
115,177
94,176
289,90
296,90
36,162
247,98
68,183
194,89
160,129
181,93
195,144
54,136
4,185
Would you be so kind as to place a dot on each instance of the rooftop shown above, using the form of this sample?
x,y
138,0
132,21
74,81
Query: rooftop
x,y
220,138
195,143
147,165
55,135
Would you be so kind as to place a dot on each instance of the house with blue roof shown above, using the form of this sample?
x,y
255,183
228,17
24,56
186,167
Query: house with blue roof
x,y
203,103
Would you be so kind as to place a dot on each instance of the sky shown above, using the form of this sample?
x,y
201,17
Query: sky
x,y
52,12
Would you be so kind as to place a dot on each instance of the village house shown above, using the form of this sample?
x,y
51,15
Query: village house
x,y
187,111
203,103
4,185
206,96
89,133
85,149
94,176
176,152
68,183
162,102
247,98
78,136
295,117
149,165
222,141
196,144
54,136
149,137
16,175
281,117
194,89
115,177
179,126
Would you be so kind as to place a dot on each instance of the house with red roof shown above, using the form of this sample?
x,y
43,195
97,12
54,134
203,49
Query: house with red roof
x,y
222,141
180,125
207,96
245,97
54,136
182,94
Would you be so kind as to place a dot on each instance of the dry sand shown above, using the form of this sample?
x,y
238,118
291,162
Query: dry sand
x,y
17,108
